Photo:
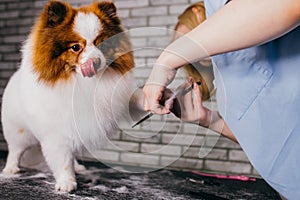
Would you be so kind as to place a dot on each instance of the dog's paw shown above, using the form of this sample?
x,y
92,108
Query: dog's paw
x,y
79,168
11,170
66,185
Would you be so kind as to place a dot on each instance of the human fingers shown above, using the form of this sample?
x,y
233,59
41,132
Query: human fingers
x,y
197,100
152,97
202,116
187,100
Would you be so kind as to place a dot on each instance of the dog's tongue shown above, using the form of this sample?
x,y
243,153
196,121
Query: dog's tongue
x,y
87,68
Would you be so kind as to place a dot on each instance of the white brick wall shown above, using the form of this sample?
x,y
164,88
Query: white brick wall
x,y
161,142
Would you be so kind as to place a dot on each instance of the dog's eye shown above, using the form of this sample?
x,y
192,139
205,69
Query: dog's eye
x,y
76,47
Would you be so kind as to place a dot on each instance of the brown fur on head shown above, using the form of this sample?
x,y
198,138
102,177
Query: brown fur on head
x,y
57,47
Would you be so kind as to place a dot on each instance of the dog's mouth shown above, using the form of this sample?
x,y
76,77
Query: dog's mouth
x,y
90,67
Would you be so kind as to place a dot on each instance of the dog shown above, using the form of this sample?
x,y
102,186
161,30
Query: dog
x,y
60,97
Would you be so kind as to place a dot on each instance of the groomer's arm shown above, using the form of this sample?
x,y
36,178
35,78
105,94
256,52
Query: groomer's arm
x,y
239,24
218,125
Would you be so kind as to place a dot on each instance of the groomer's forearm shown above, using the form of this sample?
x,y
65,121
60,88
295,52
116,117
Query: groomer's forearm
x,y
245,23
218,125
239,24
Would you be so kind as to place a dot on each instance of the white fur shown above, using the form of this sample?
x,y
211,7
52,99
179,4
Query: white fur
x,y
63,118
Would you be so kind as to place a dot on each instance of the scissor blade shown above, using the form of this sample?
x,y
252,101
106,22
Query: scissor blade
x,y
180,91
143,119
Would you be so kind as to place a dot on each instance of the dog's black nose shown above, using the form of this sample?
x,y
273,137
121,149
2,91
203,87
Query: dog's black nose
x,y
96,63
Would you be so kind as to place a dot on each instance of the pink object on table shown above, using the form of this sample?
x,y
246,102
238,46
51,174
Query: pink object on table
x,y
222,176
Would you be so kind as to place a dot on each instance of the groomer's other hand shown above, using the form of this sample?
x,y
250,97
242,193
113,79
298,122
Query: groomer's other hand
x,y
189,108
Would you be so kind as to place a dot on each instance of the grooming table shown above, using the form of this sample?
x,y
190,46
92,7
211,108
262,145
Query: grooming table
x,y
101,182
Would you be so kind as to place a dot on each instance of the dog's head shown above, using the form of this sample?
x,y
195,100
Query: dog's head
x,y
67,40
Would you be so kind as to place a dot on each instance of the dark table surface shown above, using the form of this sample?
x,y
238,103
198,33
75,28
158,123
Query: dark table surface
x,y
101,182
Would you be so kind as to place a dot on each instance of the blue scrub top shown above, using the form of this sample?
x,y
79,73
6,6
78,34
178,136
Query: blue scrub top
x,y
258,94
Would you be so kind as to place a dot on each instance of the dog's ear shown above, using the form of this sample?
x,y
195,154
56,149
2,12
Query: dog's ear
x,y
108,8
55,12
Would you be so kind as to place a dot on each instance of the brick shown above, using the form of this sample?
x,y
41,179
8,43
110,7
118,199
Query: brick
x,y
2,23
2,7
40,4
237,155
80,2
140,62
193,152
148,31
161,149
162,20
9,14
1,91
3,83
204,152
161,42
177,9
228,167
131,3
140,81
143,72
167,2
134,22
180,139
24,30
14,39
123,13
194,1
9,31
138,136
190,152
122,146
226,143
147,52
140,158
255,173
6,74
20,22
194,129
12,57
115,136
9,1
149,11
218,154
30,13
138,42
210,142
162,126
8,65
20,5
182,163
3,146
151,61
8,48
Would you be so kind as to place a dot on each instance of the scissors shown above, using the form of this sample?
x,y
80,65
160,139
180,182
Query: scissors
x,y
180,91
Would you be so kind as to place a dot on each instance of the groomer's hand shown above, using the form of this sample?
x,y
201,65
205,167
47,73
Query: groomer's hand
x,y
154,89
189,108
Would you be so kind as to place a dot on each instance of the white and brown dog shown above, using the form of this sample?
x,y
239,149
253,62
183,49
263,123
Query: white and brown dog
x,y
48,103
